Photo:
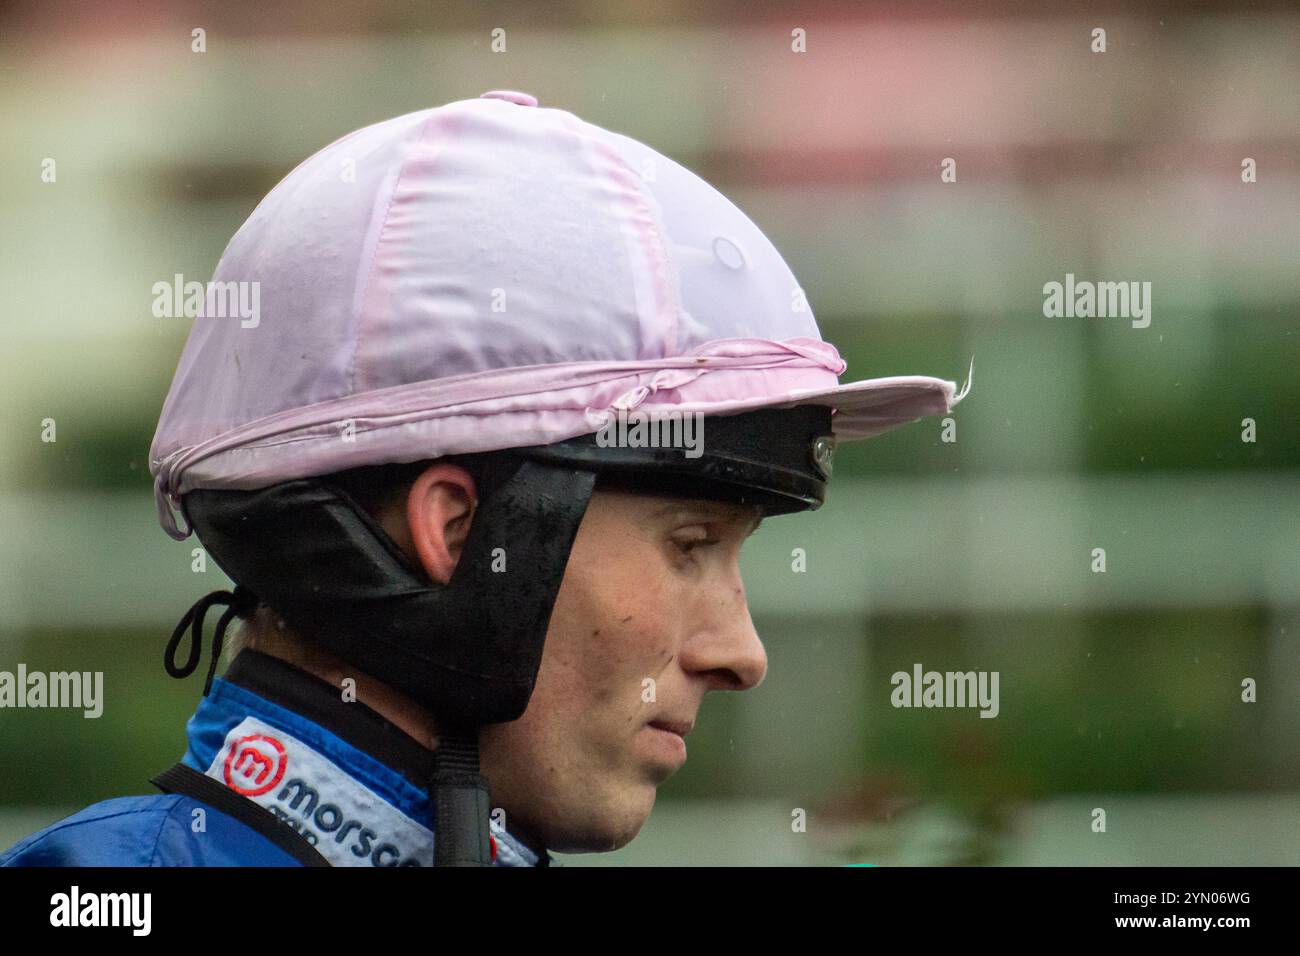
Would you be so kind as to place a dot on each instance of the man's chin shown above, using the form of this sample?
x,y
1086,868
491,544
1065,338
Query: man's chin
x,y
610,830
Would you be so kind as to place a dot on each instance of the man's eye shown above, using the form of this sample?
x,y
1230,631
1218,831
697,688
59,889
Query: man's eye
x,y
687,545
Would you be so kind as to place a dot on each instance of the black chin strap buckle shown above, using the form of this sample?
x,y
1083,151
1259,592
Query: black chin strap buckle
x,y
461,806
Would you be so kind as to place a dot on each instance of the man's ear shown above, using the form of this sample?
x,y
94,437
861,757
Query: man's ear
x,y
439,509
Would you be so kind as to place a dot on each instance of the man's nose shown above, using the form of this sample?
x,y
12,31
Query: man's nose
x,y
724,646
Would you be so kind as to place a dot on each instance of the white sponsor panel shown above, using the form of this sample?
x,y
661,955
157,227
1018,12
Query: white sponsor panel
x,y
345,820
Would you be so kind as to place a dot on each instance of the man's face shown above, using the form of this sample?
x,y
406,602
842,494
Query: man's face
x,y
651,615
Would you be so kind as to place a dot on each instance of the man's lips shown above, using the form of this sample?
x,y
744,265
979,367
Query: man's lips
x,y
679,727
669,739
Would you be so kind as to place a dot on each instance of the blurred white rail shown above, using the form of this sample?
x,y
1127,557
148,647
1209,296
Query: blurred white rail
x,y
1024,543
940,544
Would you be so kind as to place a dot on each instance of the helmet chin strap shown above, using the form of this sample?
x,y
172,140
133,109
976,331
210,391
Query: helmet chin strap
x,y
469,650
461,806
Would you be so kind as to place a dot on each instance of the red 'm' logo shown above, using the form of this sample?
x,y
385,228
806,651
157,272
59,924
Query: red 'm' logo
x,y
255,764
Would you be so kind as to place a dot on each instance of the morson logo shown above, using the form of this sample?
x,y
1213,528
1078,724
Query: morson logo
x,y
255,764
333,809
317,821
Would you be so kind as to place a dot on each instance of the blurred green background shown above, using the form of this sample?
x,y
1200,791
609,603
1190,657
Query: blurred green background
x,y
1119,690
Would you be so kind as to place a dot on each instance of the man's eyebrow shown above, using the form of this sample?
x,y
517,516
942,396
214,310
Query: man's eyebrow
x,y
711,510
